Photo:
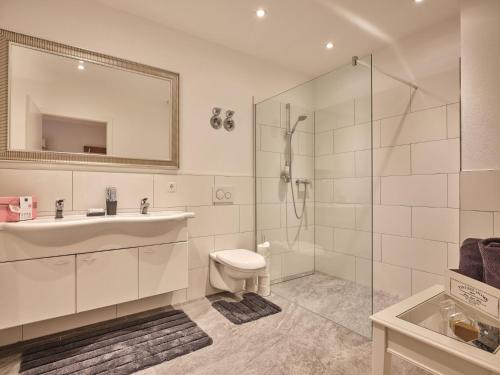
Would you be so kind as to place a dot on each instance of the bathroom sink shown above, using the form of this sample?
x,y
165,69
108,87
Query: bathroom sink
x,y
74,234
73,221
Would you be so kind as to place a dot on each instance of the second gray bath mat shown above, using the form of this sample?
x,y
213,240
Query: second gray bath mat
x,y
122,346
251,307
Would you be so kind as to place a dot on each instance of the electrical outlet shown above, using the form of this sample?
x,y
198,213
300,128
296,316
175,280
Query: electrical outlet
x,y
172,187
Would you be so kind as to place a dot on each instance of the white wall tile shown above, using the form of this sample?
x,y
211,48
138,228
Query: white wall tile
x,y
199,284
352,138
335,264
324,190
436,157
235,241
453,120
392,220
415,253
276,266
353,242
364,217
338,165
269,113
453,190
336,215
422,126
416,190
281,239
273,190
364,272
377,247
453,255
343,114
11,335
89,189
324,238
392,279
391,161
303,166
273,139
363,109
247,218
423,280
244,188
324,120
440,224
268,216
437,90
297,262
306,143
323,143
210,220
41,184
475,224
268,164
480,190
191,190
496,224
391,102
352,190
199,248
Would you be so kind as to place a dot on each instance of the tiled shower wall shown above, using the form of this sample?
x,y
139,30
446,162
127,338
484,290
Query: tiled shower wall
x,y
415,186
416,161
292,240
214,228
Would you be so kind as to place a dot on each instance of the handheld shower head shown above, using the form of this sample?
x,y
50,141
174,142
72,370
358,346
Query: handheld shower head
x,y
299,119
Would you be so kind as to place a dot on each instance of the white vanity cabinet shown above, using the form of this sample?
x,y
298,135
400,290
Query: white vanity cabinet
x,y
36,289
106,278
162,268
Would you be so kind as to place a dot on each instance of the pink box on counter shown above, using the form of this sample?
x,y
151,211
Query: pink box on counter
x,y
10,209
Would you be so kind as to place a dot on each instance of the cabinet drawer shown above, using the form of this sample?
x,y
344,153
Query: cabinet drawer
x,y
106,278
162,269
37,289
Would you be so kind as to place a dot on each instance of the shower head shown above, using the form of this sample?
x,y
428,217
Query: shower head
x,y
299,119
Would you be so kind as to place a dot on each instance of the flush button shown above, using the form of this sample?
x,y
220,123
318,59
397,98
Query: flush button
x,y
223,194
219,194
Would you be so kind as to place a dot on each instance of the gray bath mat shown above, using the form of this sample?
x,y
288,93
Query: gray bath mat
x,y
251,307
123,346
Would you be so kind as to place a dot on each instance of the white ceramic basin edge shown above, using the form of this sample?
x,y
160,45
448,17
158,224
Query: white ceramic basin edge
x,y
72,221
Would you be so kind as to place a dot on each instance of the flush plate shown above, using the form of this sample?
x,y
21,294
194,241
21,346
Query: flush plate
x,y
223,194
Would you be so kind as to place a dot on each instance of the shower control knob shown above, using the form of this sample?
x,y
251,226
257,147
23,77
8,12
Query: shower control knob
x,y
219,194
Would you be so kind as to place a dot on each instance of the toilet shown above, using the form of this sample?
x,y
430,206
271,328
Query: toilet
x,y
235,270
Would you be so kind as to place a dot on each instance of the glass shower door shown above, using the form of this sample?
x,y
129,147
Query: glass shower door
x,y
317,140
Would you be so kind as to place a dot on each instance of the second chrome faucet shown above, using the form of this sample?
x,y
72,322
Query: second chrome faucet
x,y
144,206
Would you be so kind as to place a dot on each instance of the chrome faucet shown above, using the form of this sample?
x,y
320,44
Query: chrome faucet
x,y
59,208
144,206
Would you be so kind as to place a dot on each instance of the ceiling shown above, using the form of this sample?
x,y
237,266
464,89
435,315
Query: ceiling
x,y
294,32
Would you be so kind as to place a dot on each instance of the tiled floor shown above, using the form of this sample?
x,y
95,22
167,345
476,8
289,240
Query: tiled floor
x,y
345,302
295,341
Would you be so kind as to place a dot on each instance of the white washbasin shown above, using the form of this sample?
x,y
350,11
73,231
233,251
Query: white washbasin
x,y
74,221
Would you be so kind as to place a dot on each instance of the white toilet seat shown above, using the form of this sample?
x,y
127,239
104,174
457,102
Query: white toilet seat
x,y
241,259
235,270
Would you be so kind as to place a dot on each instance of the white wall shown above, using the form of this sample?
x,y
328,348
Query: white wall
x,y
211,75
480,41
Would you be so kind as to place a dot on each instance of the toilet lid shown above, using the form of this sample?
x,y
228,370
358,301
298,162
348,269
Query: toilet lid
x,y
241,258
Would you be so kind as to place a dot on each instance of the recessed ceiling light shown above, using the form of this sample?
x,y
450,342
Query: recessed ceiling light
x,y
418,1
329,45
81,66
260,13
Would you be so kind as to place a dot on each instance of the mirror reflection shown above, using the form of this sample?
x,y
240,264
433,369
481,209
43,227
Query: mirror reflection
x,y
61,104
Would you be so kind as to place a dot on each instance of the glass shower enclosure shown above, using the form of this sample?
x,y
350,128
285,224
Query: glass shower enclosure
x,y
314,190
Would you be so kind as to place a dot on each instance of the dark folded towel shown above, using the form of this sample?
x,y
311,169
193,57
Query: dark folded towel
x,y
471,263
490,252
